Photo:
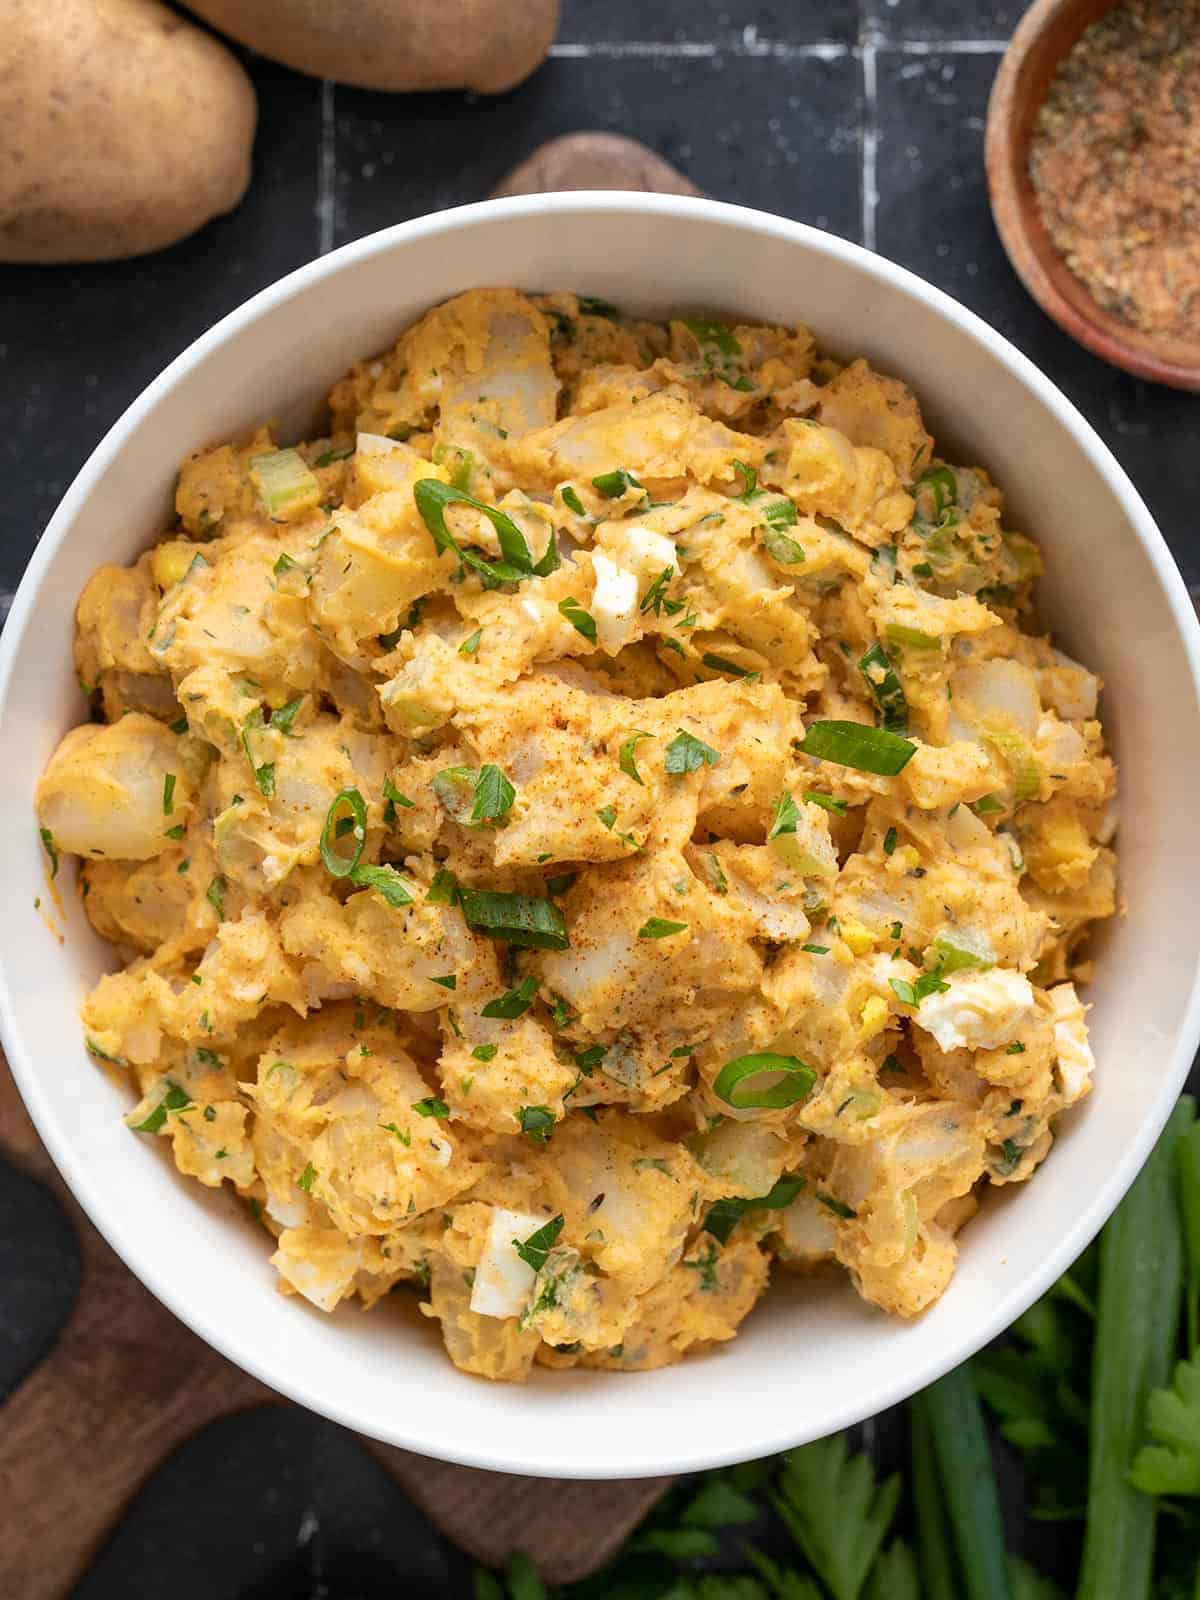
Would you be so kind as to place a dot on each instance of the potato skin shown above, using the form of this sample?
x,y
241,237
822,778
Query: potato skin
x,y
378,44
123,128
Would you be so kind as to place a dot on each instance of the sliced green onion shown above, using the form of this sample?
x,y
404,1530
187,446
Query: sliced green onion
x,y
572,502
458,460
889,841
1022,764
579,617
749,478
432,497
215,895
305,1180
955,957
339,866
781,514
911,638
886,688
469,646
764,1079
283,480
168,802
989,803
781,548
853,744
328,457
943,485
516,918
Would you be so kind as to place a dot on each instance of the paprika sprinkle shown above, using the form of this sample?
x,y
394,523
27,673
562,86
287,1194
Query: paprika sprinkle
x,y
1115,163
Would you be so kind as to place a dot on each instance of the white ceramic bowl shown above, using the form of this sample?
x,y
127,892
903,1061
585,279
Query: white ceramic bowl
x,y
812,1357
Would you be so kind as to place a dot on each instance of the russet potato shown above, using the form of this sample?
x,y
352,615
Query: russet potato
x,y
377,44
123,128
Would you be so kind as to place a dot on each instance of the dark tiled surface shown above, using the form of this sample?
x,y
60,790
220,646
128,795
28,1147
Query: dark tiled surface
x,y
739,96
776,133
790,21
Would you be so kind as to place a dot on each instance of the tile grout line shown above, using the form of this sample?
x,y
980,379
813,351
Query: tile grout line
x,y
869,177
326,172
751,46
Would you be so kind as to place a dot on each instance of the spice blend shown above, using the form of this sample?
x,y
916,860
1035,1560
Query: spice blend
x,y
1115,163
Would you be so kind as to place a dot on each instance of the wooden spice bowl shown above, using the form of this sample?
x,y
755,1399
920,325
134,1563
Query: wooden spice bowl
x,y
1046,33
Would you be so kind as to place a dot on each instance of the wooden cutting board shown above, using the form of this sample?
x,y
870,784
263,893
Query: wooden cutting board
x,y
106,1407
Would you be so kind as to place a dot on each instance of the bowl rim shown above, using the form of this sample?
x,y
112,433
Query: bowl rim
x,y
1050,282
773,1432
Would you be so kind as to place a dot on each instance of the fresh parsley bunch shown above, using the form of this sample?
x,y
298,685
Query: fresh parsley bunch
x,y
1098,1387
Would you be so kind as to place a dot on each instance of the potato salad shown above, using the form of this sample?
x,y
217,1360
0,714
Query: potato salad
x,y
600,823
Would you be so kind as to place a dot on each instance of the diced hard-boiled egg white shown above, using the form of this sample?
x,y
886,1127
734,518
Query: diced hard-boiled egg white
x,y
503,1281
614,604
978,1011
1076,1063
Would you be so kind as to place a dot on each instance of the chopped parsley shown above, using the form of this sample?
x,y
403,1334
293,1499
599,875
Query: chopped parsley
x,y
515,1003
686,753
431,1106
305,1180
534,1250
536,1121
51,850
469,646
826,802
579,617
168,802
174,1099
627,761
494,795
660,928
